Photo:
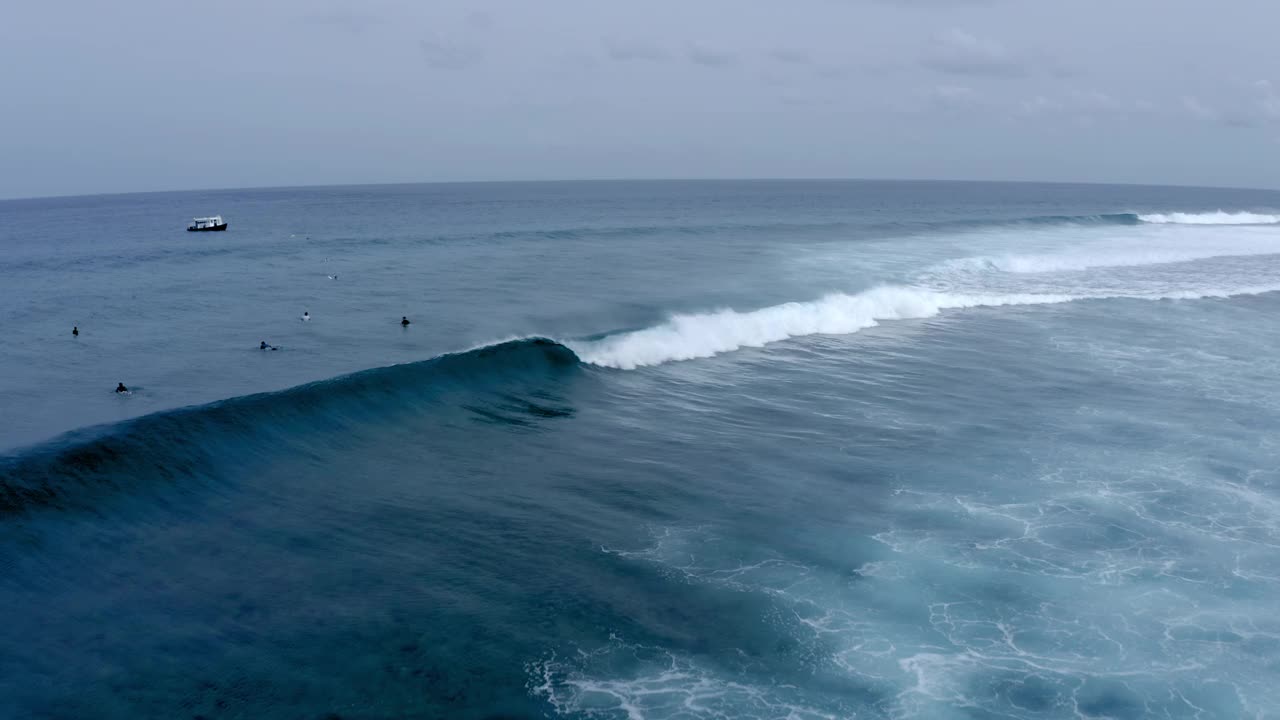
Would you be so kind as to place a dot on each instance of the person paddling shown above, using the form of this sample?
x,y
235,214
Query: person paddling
x,y
404,321
120,388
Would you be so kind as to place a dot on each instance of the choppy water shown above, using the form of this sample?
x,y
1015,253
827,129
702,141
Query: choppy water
x,y
648,450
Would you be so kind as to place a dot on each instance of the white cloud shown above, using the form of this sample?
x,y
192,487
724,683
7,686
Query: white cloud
x,y
636,52
711,58
1193,105
1268,100
959,52
1085,103
1247,105
352,21
790,57
480,20
444,55
953,96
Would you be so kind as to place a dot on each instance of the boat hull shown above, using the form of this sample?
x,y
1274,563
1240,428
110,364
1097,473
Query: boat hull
x,y
211,228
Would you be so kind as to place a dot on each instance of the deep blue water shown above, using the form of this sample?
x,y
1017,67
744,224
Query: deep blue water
x,y
647,450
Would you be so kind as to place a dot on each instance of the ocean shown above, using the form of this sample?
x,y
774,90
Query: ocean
x,y
646,450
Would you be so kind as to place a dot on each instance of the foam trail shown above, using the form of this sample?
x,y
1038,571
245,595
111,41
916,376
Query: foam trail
x,y
1031,264
1155,245
1212,218
685,337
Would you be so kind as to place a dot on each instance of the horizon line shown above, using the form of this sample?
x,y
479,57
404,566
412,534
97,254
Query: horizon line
x,y
320,186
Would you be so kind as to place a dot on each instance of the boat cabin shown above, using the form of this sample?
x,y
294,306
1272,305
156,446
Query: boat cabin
x,y
207,223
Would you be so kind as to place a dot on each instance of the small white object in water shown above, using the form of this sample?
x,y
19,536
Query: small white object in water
x,y
333,277
306,315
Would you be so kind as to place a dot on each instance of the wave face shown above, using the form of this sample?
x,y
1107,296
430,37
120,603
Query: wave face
x,y
194,442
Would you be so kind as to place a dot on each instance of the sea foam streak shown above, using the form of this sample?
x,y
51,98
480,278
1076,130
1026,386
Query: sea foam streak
x,y
685,337
1111,258
1211,218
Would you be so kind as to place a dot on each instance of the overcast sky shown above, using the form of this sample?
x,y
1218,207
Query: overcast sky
x,y
156,94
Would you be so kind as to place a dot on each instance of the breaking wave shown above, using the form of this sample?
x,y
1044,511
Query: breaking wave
x,y
686,337
1219,217
500,383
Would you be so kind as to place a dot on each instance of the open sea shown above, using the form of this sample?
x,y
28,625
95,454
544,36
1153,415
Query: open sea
x,y
790,450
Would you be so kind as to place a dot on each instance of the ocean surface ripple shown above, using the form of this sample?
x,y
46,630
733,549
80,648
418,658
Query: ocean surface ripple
x,y
647,450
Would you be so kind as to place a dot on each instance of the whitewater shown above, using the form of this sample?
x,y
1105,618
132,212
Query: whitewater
x,y
701,335
1210,218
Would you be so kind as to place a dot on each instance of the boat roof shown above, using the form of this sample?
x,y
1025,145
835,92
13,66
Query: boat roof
x,y
208,219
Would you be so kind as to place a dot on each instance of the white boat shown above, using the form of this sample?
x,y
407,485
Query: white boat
x,y
207,224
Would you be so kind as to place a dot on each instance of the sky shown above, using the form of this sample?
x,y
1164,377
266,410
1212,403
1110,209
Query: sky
x,y
143,95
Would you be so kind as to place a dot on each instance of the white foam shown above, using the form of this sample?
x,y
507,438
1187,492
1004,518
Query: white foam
x,y
686,337
1132,257
1211,218
660,684
1109,247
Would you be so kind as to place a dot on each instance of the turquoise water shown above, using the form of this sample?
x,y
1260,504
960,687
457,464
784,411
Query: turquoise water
x,y
647,450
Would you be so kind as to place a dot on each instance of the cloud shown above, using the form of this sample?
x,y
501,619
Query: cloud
x,y
953,96
711,58
933,3
1085,104
789,56
1253,104
958,52
443,55
345,19
792,63
1192,104
635,52
943,99
1268,102
831,73
480,20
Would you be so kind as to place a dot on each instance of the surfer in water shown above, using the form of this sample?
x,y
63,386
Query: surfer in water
x,y
404,321
264,346
306,315
75,331
120,388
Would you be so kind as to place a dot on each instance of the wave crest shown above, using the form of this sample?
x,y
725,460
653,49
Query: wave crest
x,y
1219,217
690,336
685,337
